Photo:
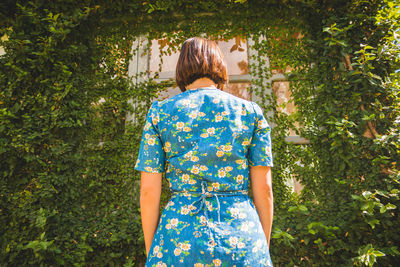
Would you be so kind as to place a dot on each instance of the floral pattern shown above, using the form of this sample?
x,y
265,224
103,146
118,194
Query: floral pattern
x,y
205,140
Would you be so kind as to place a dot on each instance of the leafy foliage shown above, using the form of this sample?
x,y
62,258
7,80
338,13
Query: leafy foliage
x,y
68,144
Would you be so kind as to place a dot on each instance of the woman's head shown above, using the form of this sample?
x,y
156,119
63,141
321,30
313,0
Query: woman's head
x,y
200,58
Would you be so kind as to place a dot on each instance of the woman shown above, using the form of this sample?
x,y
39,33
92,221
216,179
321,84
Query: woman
x,y
209,144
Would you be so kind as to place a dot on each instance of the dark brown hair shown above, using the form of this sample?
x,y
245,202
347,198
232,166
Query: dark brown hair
x,y
200,58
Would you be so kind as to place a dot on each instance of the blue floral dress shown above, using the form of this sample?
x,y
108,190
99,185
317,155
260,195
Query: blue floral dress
x,y
204,140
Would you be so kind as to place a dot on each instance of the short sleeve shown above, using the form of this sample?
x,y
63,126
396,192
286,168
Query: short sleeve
x,y
260,150
151,154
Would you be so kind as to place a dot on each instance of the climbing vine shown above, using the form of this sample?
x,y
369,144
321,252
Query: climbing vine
x,y
70,120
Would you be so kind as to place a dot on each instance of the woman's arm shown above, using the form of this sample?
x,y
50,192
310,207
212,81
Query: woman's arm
x,y
261,185
150,194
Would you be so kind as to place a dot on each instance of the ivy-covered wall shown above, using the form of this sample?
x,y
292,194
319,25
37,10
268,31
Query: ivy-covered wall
x,y
68,191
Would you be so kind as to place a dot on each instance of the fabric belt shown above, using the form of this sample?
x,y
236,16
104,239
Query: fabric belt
x,y
203,195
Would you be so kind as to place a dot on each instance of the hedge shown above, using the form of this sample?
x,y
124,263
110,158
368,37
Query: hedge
x,y
68,144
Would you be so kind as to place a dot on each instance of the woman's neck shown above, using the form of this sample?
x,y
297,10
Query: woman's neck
x,y
202,82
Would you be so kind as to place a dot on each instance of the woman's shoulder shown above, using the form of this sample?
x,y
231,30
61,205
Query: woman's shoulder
x,y
250,105
198,97
172,99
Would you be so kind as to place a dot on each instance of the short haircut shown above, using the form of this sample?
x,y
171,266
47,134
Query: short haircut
x,y
200,58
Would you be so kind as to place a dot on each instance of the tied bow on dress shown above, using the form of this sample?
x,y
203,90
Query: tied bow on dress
x,y
201,203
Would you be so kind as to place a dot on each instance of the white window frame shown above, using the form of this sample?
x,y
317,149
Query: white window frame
x,y
140,63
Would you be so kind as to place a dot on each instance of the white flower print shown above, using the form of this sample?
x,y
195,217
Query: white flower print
x,y
228,168
203,168
221,173
188,155
161,264
233,240
239,161
180,125
194,158
174,222
215,185
227,148
239,178
234,211
177,252
193,115
147,126
211,130
217,262
185,178
184,210
155,120
167,144
185,246
240,245
245,143
220,153
209,206
203,219
195,170
151,141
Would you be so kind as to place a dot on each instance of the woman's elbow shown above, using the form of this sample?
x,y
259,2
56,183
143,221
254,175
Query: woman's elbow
x,y
150,191
264,191
146,192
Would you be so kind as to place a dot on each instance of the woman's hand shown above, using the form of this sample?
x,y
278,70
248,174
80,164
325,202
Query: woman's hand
x,y
261,185
150,194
